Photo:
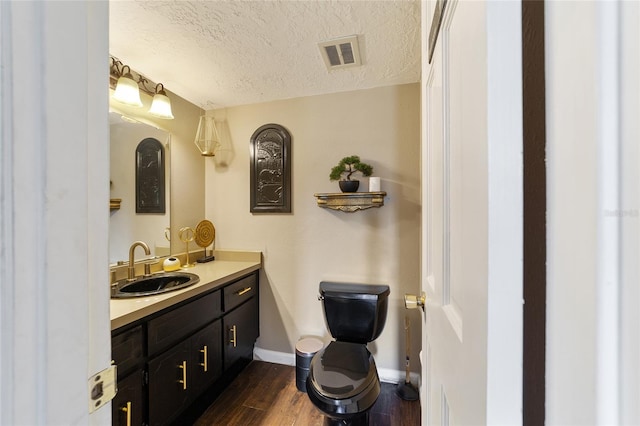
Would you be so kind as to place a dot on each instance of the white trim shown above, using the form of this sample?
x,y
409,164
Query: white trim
x,y
505,206
629,291
275,357
426,264
446,162
608,276
388,375
24,309
97,238
7,234
427,195
572,60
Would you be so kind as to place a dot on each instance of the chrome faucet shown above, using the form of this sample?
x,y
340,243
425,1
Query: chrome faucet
x,y
131,271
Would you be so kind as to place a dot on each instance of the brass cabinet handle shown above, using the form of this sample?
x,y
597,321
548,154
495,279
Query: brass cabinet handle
x,y
244,290
204,363
184,375
127,410
233,339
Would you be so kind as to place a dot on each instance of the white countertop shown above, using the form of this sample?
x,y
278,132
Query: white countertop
x,y
227,267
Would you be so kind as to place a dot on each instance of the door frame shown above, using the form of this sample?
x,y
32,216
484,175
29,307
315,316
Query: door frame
x,y
534,213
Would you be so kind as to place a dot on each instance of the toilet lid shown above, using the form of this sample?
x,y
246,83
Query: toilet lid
x,y
342,370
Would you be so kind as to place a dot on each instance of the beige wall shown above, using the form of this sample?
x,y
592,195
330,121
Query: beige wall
x,y
187,170
313,244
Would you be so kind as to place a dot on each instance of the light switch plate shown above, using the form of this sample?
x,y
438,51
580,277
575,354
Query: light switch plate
x,y
102,388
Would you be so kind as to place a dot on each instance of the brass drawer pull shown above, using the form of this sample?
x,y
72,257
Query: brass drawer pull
x,y
127,410
233,339
243,291
204,352
184,375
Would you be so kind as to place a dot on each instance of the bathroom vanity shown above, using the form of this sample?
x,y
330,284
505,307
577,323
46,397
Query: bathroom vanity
x,y
173,350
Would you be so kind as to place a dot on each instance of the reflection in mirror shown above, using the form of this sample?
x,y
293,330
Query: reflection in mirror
x,y
125,225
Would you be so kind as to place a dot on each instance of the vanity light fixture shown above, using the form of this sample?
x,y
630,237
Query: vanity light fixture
x,y
161,105
128,83
127,90
207,136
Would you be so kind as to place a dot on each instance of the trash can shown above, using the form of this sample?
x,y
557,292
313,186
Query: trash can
x,y
305,350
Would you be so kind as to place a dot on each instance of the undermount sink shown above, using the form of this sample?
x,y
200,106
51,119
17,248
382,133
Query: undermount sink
x,y
153,284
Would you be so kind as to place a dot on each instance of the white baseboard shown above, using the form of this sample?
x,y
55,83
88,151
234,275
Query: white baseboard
x,y
386,375
283,358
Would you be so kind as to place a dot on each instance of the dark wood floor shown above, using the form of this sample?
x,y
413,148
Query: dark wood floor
x,y
266,394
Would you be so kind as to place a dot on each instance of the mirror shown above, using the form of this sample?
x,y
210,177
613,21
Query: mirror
x,y
125,225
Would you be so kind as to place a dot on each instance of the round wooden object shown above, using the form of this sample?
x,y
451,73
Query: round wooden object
x,y
205,233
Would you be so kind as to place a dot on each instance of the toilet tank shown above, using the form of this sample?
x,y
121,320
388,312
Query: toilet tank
x,y
354,312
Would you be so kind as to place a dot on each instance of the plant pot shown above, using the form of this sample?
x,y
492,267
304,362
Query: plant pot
x,y
349,185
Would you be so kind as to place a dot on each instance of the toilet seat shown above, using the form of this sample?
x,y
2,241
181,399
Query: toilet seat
x,y
343,379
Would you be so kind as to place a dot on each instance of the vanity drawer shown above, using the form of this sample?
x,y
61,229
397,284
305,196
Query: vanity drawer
x,y
167,329
126,349
239,291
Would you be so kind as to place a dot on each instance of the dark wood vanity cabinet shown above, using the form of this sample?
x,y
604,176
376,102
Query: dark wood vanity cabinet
x,y
240,322
181,374
127,408
242,330
206,357
169,359
168,391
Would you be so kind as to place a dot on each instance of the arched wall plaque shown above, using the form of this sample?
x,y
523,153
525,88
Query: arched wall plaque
x,y
270,170
150,184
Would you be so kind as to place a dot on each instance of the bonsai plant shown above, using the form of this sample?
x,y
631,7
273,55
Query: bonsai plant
x,y
345,169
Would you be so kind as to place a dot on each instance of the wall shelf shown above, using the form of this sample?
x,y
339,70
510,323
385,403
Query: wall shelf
x,y
350,201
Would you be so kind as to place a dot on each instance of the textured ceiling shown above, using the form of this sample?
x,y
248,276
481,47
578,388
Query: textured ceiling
x,y
225,53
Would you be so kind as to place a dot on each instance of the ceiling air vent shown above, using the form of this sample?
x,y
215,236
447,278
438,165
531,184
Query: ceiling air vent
x,y
341,52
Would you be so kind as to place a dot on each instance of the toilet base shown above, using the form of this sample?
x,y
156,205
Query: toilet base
x,y
361,420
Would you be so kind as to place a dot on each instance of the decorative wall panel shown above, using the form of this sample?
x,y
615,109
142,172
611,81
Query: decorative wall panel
x,y
270,170
150,178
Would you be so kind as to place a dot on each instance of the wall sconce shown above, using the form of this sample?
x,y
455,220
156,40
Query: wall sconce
x,y
207,137
161,105
128,83
127,90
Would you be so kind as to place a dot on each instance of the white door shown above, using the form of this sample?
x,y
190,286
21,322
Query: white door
x,y
472,215
54,184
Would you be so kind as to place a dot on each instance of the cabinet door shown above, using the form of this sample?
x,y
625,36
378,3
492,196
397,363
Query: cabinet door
x,y
206,355
127,408
168,384
241,331
126,350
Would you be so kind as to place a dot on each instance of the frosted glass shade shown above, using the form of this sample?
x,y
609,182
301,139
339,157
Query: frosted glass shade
x,y
127,91
161,106
207,138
